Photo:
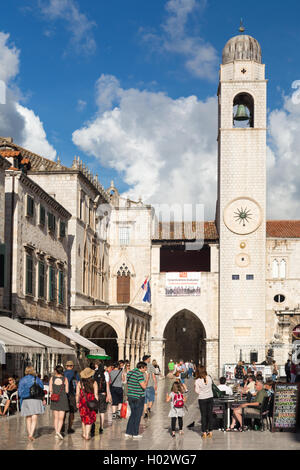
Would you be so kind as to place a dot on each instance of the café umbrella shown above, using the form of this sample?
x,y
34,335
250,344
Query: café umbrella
x,y
98,356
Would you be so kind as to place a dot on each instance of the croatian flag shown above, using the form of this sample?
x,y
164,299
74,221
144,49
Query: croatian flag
x,y
146,287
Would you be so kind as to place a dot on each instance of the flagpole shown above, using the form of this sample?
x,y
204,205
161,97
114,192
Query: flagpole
x,y
148,280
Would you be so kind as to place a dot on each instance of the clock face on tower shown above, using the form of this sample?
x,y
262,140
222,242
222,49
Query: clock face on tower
x,y
243,216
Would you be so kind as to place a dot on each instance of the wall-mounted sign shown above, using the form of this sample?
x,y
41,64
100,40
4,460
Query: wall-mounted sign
x,y
296,332
183,284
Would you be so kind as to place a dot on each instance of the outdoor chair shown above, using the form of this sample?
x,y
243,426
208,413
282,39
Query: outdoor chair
x,y
14,402
254,416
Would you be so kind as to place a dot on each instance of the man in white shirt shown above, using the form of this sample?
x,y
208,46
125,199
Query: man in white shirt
x,y
223,387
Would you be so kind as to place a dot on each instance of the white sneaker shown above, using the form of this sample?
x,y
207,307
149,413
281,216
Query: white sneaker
x,y
139,436
128,435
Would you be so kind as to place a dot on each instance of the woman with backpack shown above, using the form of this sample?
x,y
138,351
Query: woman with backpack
x,y
31,407
177,400
203,387
59,402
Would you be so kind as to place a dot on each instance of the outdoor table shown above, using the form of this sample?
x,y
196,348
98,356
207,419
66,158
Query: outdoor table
x,y
229,401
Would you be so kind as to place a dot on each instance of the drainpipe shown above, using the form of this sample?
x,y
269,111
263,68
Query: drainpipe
x,y
11,244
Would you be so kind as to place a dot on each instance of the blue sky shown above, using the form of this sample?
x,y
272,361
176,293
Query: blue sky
x,y
130,86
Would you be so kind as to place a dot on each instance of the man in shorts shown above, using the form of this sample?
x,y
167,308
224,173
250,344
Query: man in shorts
x,y
73,378
151,386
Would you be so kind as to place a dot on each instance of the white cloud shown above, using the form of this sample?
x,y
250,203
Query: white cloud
x,y
35,138
165,148
77,23
284,166
81,105
201,58
16,120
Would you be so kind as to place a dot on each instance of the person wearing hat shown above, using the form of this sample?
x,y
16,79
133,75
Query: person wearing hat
x,y
73,379
87,390
151,386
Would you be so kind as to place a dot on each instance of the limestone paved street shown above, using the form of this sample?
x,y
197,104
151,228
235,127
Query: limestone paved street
x,y
156,435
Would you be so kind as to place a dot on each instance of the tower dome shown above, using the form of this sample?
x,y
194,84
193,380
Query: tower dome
x,y
242,47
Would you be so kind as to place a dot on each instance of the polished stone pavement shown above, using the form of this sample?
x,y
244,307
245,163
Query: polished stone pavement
x,y
155,430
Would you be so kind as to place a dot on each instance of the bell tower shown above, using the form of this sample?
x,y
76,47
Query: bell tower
x,y
241,206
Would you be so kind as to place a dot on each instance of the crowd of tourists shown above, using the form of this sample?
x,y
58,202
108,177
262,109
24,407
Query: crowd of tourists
x,y
131,394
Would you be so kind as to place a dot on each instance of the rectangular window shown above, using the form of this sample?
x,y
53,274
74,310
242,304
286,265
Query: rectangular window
x,y
51,222
51,284
30,206
29,274
235,277
249,277
60,287
124,235
42,274
42,215
62,229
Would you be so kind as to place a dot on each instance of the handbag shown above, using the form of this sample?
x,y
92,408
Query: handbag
x,y
56,396
36,391
92,405
123,412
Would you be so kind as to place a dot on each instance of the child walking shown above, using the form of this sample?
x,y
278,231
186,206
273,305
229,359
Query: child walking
x,y
177,400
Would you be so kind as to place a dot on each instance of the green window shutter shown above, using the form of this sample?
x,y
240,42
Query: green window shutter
x,y
51,222
29,274
42,215
30,206
41,280
2,265
60,288
51,284
62,230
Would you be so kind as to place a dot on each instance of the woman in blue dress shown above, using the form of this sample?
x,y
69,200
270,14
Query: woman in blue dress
x,y
30,407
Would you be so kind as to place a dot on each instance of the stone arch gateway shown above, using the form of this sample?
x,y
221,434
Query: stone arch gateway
x,y
185,338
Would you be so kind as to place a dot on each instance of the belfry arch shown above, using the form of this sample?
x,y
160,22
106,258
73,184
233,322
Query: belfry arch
x,y
185,338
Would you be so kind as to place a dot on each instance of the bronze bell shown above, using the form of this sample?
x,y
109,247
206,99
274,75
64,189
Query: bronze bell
x,y
241,113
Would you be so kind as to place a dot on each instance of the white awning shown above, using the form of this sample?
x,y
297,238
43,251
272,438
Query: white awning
x,y
53,346
77,338
13,343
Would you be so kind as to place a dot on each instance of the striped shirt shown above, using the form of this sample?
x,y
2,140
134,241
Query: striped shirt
x,y
134,378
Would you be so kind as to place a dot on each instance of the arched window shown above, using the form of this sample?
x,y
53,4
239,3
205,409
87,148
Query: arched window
x,y
275,269
282,270
243,110
123,285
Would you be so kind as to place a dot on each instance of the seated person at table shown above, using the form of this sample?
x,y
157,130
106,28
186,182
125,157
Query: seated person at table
x,y
249,386
9,389
223,387
259,398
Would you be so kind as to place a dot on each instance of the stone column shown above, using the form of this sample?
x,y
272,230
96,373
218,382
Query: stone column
x,y
127,350
158,352
212,358
121,343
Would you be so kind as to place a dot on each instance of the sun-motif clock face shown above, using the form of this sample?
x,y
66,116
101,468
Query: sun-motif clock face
x,y
243,216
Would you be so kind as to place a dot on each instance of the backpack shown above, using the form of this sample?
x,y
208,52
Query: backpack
x,y
36,392
178,401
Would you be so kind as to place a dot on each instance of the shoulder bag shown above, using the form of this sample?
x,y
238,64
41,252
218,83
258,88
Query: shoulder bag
x,y
55,396
92,405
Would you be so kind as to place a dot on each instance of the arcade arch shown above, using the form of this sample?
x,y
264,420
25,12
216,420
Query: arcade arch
x,y
185,338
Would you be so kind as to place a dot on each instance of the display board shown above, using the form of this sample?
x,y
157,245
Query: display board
x,y
183,284
285,407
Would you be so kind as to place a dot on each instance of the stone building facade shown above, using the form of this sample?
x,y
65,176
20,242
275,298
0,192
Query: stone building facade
x,y
247,303
36,237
